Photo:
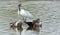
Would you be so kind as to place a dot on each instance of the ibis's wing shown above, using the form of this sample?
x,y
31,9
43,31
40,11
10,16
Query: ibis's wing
x,y
28,15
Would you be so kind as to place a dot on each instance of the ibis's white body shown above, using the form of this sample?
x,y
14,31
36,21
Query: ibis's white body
x,y
25,14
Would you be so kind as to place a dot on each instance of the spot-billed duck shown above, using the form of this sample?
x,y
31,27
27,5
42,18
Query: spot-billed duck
x,y
34,25
17,25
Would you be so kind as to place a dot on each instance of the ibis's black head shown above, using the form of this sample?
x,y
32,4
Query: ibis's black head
x,y
19,6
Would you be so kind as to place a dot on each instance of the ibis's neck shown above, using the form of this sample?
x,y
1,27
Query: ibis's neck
x,y
19,9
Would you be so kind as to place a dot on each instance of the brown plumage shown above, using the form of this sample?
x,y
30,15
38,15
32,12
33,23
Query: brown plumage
x,y
18,26
35,25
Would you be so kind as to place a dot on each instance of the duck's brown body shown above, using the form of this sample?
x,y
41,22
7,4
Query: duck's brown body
x,y
18,26
34,25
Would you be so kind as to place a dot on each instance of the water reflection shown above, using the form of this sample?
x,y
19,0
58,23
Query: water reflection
x,y
33,29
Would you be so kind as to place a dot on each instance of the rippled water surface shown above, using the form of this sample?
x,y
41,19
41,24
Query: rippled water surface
x,y
48,11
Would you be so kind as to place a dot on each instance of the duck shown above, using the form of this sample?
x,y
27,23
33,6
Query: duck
x,y
16,25
34,25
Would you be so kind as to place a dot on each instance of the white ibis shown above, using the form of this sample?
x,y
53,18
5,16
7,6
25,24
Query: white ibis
x,y
25,14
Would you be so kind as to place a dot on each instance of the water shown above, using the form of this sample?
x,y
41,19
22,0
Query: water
x,y
48,11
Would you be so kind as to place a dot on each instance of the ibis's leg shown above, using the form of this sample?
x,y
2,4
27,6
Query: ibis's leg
x,y
24,19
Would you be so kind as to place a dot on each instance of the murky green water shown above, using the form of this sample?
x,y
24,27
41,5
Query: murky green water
x,y
48,11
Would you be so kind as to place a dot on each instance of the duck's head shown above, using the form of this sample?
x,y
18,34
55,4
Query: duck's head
x,y
12,24
36,24
36,21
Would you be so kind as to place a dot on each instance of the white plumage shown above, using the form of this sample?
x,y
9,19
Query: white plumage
x,y
25,14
